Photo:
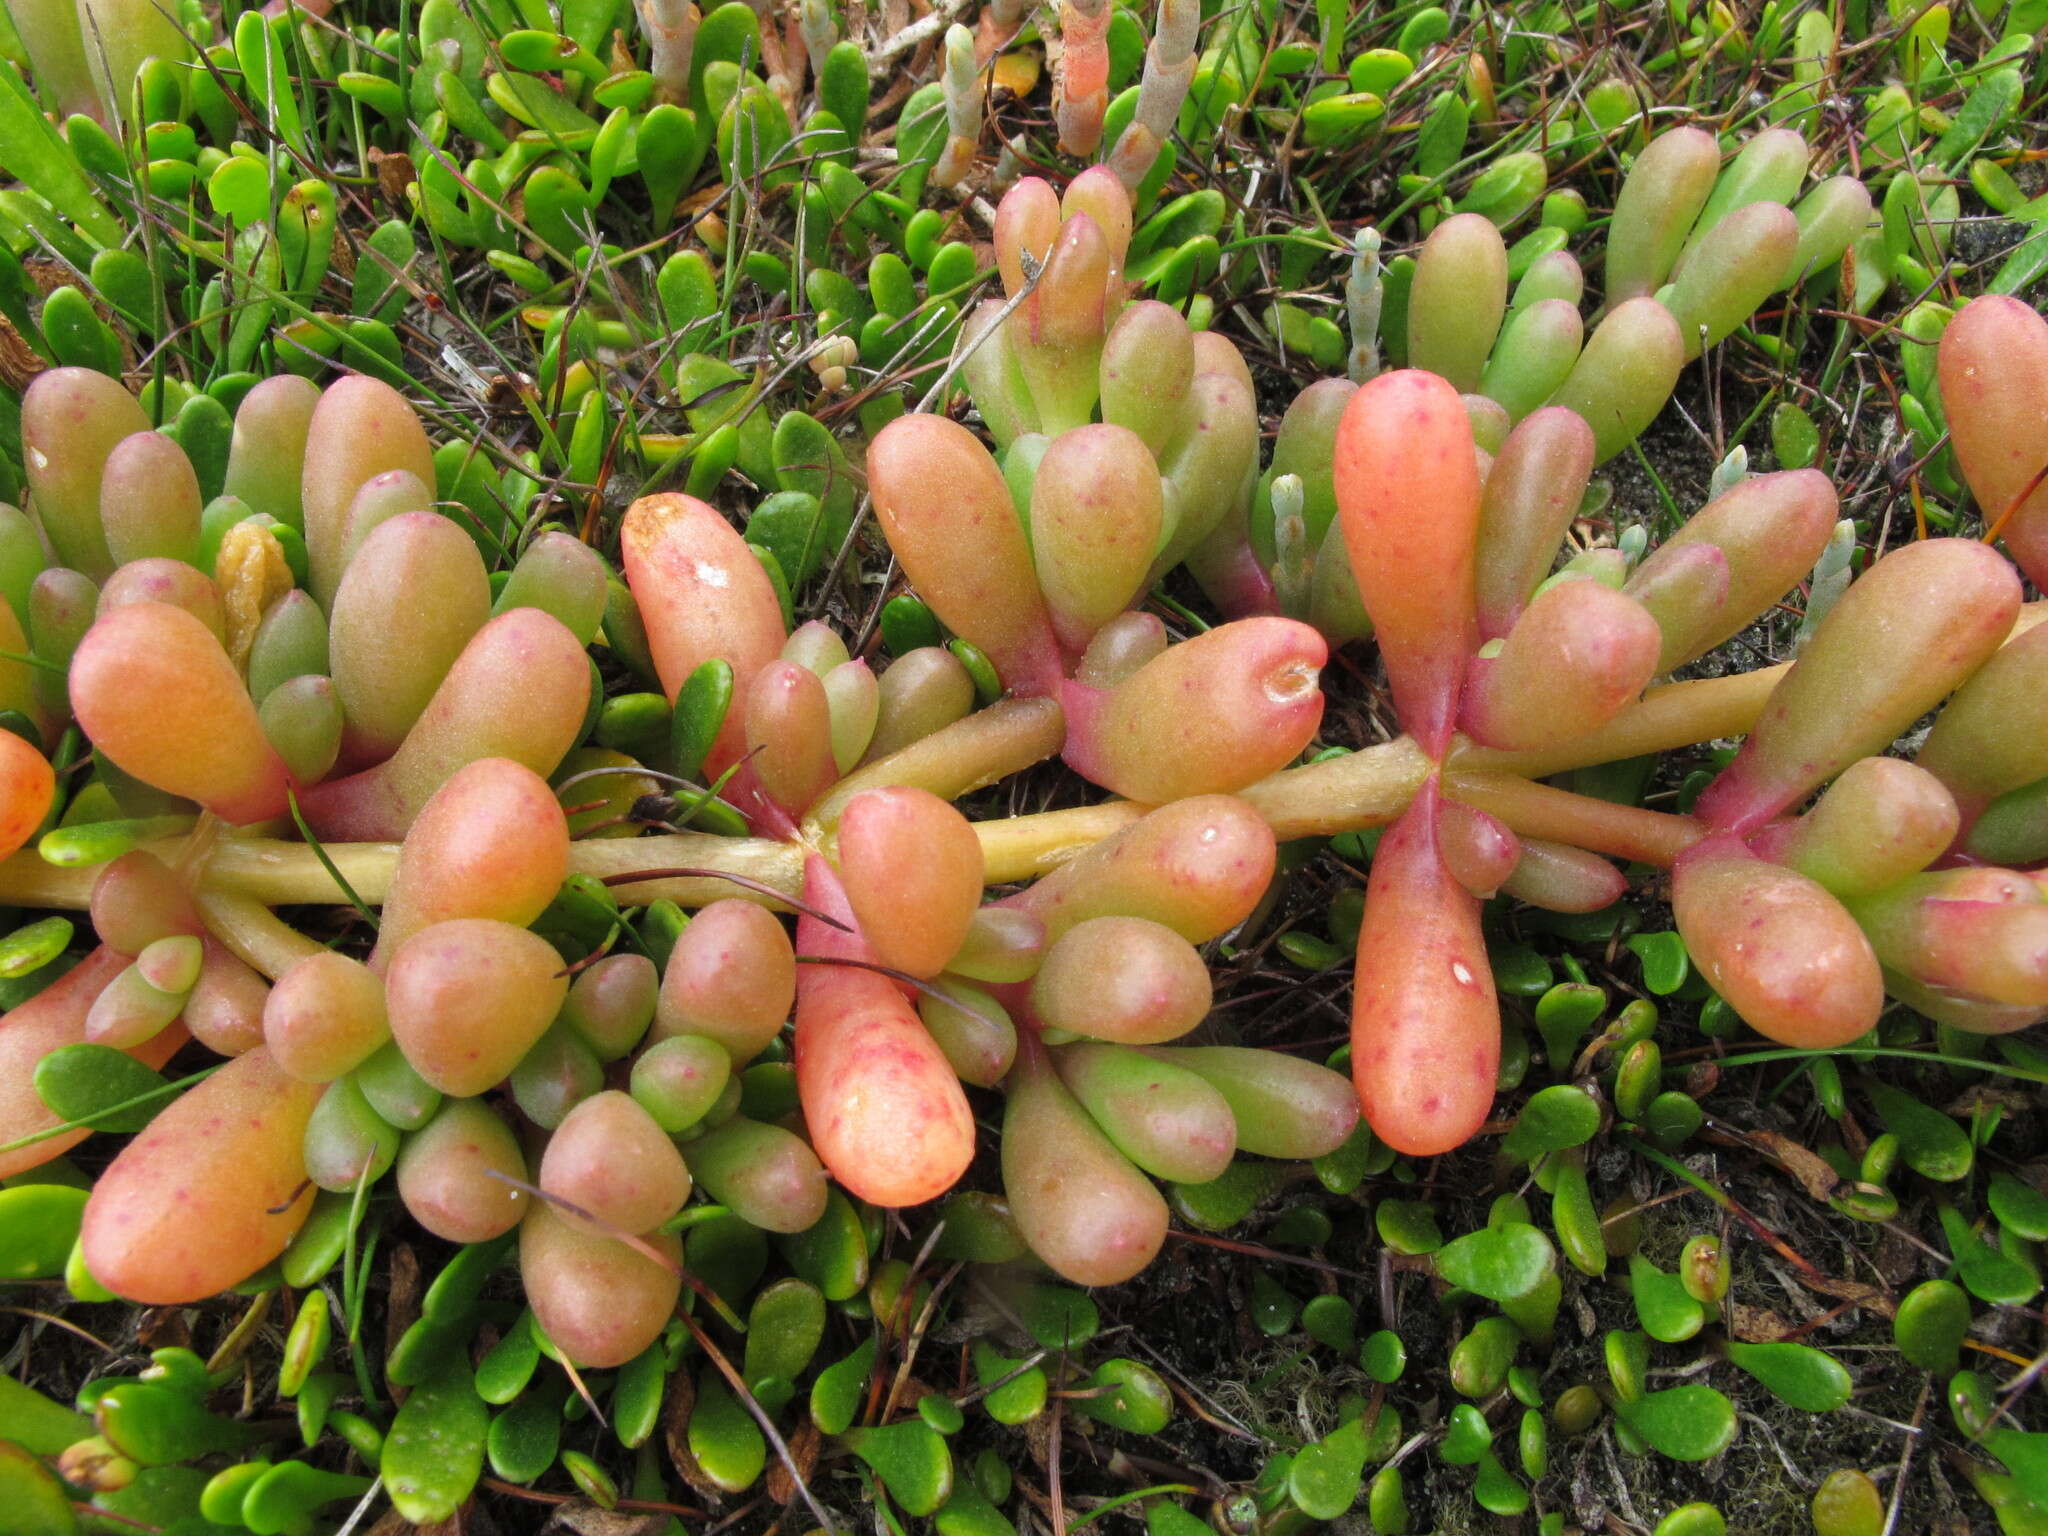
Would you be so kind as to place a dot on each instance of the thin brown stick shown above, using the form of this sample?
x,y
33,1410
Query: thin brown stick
x,y
744,882
540,1496
760,1417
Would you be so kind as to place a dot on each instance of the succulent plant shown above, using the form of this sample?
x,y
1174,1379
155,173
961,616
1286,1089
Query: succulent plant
x,y
477,783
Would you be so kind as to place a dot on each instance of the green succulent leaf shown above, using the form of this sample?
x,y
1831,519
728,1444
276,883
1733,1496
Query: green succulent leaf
x,y
723,1437
1933,1145
38,1226
1127,1395
1797,1374
1930,1324
1408,1226
36,1502
836,1393
1466,1436
1383,1356
1667,1312
911,1459
36,1423
1556,1117
784,1329
1326,1475
2020,1208
1986,1272
1689,1423
435,1451
1497,1263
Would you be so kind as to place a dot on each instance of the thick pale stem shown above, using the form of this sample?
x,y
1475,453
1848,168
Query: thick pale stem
x,y
967,755
1364,789
280,873
1677,715
760,860
1025,847
271,872
256,935
1558,816
671,28
1083,74
1342,794
962,81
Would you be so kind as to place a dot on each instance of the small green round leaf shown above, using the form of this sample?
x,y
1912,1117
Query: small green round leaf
x,y
1325,1476
1848,1504
1692,1520
1576,1410
435,1451
1628,1362
1330,1320
1533,1443
1408,1226
1273,1307
1665,961
1932,1319
2020,1208
942,1413
1497,1490
1383,1356
912,1461
1932,1144
1466,1436
523,1440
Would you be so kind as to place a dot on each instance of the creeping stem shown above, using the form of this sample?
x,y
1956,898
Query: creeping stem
x,y
257,935
1368,788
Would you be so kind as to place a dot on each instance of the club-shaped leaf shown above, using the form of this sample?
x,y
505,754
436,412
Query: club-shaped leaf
x,y
1466,1436
784,1327
723,1437
1496,1490
836,1393
1797,1374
